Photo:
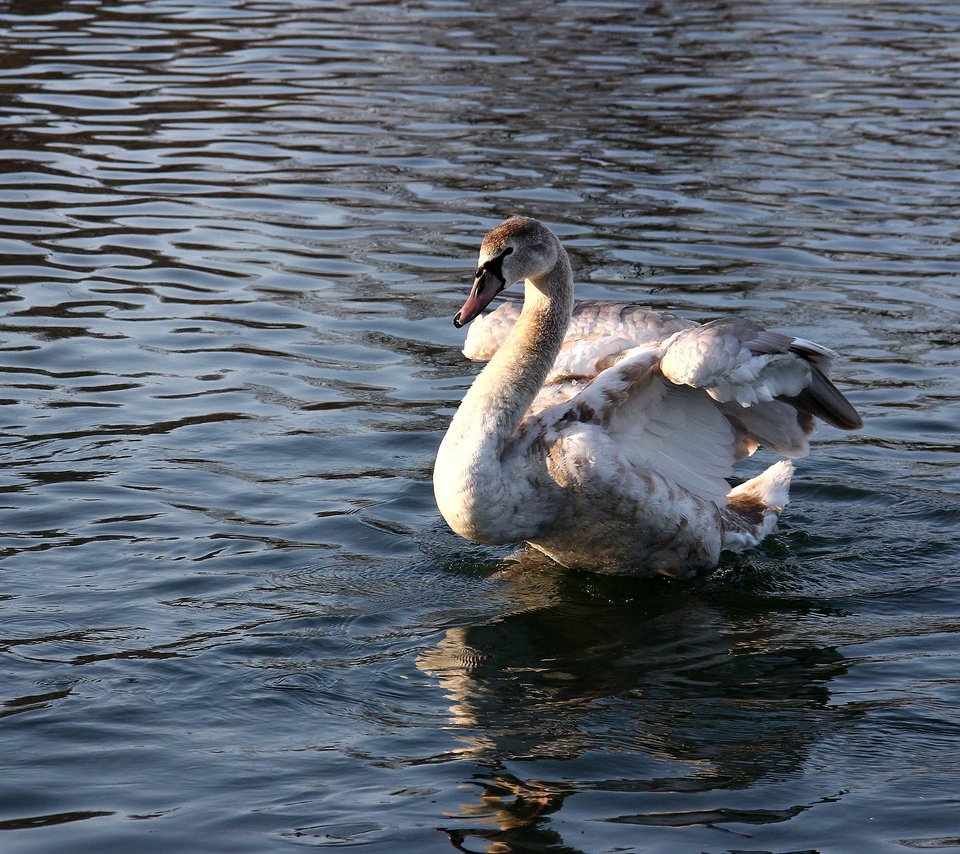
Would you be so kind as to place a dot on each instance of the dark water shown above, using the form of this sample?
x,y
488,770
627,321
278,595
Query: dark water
x,y
234,234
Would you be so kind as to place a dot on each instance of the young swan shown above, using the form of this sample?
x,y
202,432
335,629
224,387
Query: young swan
x,y
608,449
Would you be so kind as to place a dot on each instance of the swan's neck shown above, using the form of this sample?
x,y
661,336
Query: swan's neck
x,y
492,409
481,497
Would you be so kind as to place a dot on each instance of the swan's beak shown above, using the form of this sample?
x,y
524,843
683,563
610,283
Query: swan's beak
x,y
485,287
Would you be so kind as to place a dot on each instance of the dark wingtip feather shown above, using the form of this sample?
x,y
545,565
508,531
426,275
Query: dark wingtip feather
x,y
822,399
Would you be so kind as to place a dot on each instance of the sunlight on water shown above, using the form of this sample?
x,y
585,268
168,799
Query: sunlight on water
x,y
234,234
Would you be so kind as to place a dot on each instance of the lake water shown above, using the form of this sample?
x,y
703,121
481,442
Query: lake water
x,y
234,235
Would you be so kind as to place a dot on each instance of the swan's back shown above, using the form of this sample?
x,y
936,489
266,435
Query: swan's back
x,y
599,335
637,324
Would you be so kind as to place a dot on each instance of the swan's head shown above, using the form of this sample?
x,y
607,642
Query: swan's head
x,y
517,249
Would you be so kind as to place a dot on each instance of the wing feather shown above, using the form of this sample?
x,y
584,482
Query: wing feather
x,y
637,422
749,368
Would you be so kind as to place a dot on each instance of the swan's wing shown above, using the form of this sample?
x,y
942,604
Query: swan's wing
x,y
690,408
554,393
585,356
632,420
602,321
771,385
581,358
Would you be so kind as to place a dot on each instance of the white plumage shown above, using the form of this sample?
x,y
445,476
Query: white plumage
x,y
604,434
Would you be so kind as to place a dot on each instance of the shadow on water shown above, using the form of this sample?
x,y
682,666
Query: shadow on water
x,y
618,685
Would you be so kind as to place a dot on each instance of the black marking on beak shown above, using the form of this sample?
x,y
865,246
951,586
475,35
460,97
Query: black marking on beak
x,y
484,289
494,266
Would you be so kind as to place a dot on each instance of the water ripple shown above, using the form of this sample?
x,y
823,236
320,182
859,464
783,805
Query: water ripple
x,y
232,237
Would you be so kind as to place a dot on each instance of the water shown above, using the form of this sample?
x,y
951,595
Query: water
x,y
234,236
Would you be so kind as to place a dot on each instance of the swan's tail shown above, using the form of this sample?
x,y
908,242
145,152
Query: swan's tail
x,y
753,507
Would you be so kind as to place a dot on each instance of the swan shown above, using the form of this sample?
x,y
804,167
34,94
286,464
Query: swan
x,y
603,434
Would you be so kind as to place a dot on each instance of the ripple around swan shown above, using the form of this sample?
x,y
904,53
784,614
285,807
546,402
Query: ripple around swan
x,y
233,235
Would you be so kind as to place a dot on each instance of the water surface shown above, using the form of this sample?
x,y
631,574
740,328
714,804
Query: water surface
x,y
234,234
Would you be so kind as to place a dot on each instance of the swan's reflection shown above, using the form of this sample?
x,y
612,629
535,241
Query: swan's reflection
x,y
636,687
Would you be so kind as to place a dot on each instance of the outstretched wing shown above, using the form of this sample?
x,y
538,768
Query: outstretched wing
x,y
689,408
769,384
632,420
